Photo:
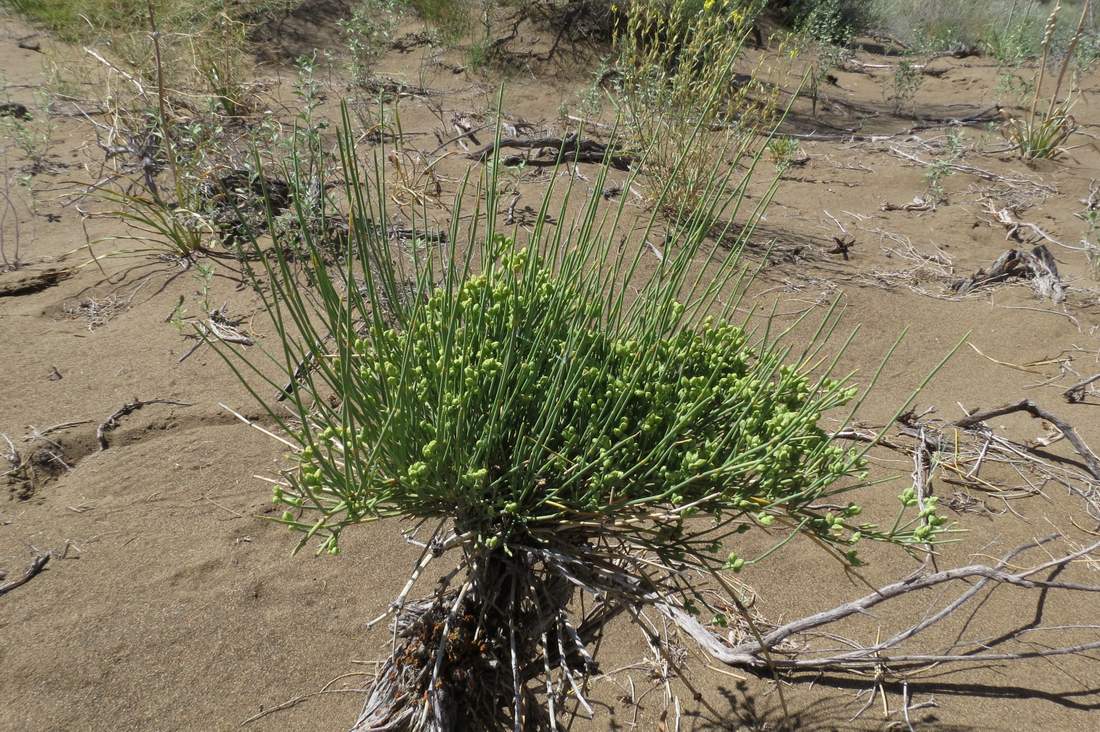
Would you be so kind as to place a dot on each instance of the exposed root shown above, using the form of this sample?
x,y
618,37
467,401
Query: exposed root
x,y
464,659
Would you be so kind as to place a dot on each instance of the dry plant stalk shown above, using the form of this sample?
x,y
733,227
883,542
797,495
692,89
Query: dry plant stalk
x,y
1042,136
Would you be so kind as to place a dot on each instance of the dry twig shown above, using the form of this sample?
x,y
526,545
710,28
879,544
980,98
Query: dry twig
x,y
112,422
37,566
1026,405
750,654
1076,393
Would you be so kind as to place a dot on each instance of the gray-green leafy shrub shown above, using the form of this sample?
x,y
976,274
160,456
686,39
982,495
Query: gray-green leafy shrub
x,y
1090,242
1009,30
368,33
906,83
941,167
825,21
783,150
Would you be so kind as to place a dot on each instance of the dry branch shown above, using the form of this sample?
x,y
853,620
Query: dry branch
x,y
1076,393
976,172
15,460
218,326
1026,405
963,452
843,246
37,566
1008,218
1038,266
112,422
751,654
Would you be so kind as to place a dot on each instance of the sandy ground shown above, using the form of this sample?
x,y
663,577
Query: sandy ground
x,y
171,604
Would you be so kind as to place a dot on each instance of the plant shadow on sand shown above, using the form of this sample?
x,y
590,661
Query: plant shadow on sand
x,y
745,712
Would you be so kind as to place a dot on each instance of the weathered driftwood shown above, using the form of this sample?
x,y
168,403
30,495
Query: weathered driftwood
x,y
28,282
917,204
1038,266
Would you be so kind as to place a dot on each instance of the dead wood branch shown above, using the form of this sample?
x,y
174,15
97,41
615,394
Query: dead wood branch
x,y
917,204
1038,266
129,77
962,452
299,371
567,149
977,172
1076,393
113,421
37,566
1026,405
751,654
1007,218
843,246
923,123
15,460
28,283
97,311
218,326
857,66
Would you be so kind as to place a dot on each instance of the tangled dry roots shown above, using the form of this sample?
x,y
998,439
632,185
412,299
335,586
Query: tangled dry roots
x,y
465,659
